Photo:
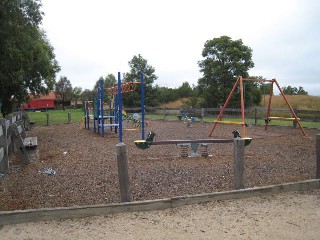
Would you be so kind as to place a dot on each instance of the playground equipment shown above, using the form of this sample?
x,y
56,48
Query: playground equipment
x,y
112,115
268,117
125,87
188,120
135,119
184,144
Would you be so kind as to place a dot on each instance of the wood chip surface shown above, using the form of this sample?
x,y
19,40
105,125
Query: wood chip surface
x,y
86,171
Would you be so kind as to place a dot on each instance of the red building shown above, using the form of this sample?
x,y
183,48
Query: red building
x,y
42,102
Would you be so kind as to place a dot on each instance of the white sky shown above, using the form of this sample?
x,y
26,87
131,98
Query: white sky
x,y
97,37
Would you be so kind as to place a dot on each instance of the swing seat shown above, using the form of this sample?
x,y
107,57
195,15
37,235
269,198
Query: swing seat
x,y
283,118
228,122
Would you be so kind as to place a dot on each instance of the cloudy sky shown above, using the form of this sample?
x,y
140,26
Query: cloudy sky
x,y
97,37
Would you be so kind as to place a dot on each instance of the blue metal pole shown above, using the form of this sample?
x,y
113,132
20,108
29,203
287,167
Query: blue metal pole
x,y
94,114
120,106
111,113
102,103
142,106
98,112
116,109
97,102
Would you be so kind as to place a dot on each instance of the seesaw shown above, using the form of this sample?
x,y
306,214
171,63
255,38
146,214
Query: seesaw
x,y
184,144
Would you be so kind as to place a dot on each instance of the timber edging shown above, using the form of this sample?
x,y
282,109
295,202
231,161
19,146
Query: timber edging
x,y
46,214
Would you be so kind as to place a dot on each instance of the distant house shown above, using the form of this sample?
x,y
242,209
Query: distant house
x,y
76,103
43,102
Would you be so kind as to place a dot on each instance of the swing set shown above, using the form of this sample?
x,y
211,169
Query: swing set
x,y
268,117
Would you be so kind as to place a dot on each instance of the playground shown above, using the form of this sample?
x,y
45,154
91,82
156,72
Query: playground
x,y
84,167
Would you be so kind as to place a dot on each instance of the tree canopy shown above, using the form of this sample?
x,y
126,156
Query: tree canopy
x,y
185,90
64,88
88,95
109,81
137,66
289,90
224,60
28,64
76,94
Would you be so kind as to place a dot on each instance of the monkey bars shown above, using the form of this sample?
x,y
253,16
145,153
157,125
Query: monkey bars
x,y
125,87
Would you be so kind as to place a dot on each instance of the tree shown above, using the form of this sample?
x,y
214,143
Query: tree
x,y
27,61
290,90
193,100
166,94
185,90
64,88
88,95
137,66
264,87
294,91
76,94
224,60
301,91
109,81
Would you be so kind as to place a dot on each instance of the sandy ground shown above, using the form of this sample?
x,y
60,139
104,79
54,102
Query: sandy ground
x,y
294,215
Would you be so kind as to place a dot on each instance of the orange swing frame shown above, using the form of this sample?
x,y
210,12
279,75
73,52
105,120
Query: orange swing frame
x,y
268,117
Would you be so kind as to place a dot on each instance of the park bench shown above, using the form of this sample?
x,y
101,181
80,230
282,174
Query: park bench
x,y
191,113
12,133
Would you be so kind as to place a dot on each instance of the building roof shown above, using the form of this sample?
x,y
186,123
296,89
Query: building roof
x,y
51,96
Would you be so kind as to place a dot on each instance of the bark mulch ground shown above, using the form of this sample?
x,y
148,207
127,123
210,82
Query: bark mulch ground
x,y
86,172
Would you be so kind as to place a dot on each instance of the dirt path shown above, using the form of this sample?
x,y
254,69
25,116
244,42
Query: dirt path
x,y
294,215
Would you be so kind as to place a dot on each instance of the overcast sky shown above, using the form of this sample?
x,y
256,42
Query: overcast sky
x,y
97,37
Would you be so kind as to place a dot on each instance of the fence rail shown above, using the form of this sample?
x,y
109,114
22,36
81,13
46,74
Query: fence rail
x,y
255,113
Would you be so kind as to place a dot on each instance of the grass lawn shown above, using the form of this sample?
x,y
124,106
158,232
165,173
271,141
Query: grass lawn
x,y
61,117
56,116
248,121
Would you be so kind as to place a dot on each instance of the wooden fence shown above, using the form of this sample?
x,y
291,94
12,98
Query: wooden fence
x,y
253,114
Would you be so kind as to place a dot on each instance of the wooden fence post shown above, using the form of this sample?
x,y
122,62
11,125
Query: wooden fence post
x,y
48,119
255,116
4,160
318,155
164,113
202,114
294,122
69,117
238,163
122,160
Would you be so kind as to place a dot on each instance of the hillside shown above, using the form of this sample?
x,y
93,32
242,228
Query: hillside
x,y
297,101
175,104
